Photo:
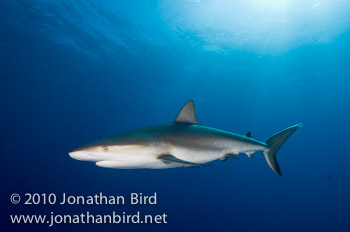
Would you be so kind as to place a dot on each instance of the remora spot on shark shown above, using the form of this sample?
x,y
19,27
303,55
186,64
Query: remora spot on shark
x,y
183,143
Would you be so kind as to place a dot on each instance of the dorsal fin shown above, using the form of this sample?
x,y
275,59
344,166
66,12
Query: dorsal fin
x,y
248,134
187,114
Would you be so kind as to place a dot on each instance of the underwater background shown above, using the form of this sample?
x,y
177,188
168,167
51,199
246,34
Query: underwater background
x,y
72,71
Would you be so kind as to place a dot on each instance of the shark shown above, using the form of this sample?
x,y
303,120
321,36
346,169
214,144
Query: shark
x,y
183,143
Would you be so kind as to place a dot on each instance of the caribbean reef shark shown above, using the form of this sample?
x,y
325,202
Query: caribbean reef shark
x,y
183,143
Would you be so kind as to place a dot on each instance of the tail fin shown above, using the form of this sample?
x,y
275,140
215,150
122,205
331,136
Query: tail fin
x,y
274,143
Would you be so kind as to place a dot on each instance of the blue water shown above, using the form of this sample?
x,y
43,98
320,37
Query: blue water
x,y
72,71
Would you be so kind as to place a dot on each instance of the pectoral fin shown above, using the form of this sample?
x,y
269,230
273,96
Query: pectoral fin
x,y
173,159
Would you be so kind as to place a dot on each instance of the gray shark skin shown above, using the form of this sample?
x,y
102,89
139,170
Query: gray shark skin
x,y
183,143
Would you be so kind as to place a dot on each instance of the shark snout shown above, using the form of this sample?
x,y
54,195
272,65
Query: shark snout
x,y
82,155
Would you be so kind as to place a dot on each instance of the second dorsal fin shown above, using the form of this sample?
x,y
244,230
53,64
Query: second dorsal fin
x,y
248,134
187,114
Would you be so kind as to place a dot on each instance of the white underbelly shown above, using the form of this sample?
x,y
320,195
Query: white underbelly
x,y
140,164
196,156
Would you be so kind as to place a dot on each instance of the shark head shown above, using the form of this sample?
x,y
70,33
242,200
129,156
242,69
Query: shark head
x,y
122,151
91,152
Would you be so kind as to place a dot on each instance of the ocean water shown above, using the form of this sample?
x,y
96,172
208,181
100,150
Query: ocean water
x,y
73,71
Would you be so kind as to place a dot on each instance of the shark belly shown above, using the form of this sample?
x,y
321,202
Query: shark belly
x,y
133,164
196,156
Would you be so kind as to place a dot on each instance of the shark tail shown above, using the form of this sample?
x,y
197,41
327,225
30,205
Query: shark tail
x,y
273,145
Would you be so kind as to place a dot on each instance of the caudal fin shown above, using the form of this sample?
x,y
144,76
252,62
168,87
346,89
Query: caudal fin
x,y
274,143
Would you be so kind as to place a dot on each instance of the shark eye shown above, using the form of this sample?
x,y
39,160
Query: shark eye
x,y
104,148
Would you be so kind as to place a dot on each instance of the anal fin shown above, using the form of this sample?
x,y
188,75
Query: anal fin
x,y
250,154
